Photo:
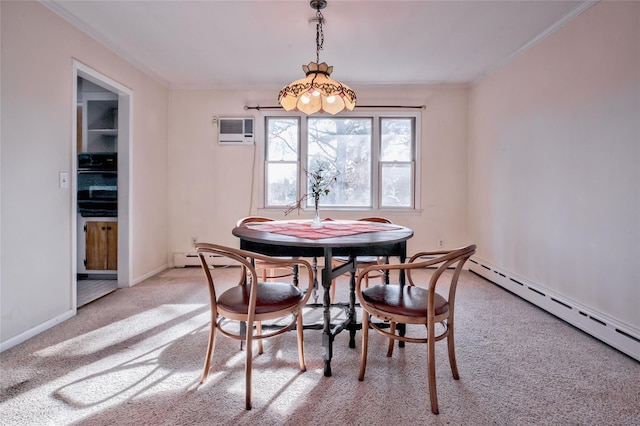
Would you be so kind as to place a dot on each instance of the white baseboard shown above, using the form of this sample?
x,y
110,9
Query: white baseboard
x,y
620,336
141,278
23,337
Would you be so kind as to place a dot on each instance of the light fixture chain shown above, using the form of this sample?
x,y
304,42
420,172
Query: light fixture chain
x,y
319,35
317,92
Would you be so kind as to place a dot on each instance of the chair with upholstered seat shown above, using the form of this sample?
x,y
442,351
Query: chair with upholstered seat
x,y
269,271
252,301
413,304
361,261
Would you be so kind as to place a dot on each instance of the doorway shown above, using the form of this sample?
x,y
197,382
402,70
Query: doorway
x,y
101,237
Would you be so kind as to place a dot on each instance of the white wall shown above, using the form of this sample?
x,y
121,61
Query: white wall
x,y
553,173
554,163
212,186
38,49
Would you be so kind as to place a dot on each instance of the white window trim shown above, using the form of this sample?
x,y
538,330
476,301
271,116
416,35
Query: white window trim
x,y
376,115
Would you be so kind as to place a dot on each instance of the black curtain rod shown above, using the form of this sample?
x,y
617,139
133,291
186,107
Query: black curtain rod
x,y
258,107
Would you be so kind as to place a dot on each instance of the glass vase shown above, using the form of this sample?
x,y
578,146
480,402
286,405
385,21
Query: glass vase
x,y
316,223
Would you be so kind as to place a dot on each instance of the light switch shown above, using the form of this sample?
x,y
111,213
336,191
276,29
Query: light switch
x,y
64,180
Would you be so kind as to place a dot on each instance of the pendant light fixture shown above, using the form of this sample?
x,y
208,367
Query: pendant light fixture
x,y
317,92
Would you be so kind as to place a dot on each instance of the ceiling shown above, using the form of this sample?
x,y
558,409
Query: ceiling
x,y
263,44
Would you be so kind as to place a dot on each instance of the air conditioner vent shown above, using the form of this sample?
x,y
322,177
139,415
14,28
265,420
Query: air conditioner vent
x,y
232,127
235,131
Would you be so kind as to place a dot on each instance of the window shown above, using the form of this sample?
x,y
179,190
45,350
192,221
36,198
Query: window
x,y
373,156
345,145
282,159
397,162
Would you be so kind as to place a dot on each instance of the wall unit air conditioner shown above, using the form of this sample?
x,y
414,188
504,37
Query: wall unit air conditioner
x,y
235,131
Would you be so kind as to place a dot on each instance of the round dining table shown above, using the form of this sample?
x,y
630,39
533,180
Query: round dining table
x,y
345,238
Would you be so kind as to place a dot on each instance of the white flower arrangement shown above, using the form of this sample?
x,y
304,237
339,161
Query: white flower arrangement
x,y
321,179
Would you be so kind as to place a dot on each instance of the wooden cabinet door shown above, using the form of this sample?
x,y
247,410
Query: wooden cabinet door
x,y
112,246
96,246
102,246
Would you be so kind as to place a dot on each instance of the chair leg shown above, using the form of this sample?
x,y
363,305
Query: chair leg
x,y
299,330
259,330
431,367
365,344
452,352
247,369
392,330
210,347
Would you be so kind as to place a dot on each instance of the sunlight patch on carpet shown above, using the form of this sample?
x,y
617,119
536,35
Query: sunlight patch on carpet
x,y
119,332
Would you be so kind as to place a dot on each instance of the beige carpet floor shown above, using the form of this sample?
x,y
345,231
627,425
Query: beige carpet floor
x,y
135,356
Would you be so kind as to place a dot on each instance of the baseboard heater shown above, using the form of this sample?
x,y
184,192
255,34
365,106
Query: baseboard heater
x,y
182,260
611,332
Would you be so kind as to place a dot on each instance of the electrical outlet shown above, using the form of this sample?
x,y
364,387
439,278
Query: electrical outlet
x,y
440,243
194,240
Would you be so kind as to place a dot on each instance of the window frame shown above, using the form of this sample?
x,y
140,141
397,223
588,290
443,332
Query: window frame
x,y
376,117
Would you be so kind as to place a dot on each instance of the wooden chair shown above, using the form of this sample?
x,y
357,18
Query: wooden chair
x,y
253,301
268,270
361,261
410,304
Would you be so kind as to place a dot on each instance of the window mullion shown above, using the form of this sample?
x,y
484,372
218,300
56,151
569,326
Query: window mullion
x,y
303,149
376,188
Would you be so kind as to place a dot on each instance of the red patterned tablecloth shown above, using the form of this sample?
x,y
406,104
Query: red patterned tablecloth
x,y
330,229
